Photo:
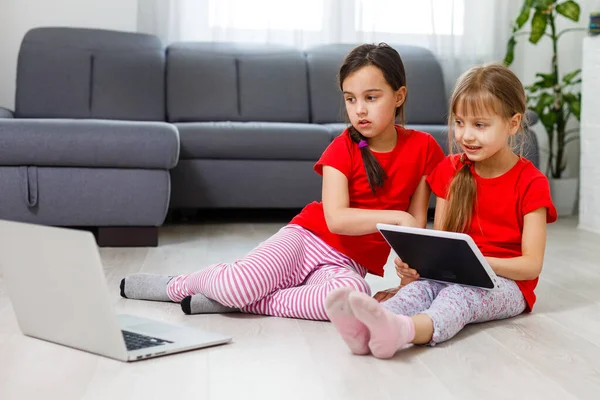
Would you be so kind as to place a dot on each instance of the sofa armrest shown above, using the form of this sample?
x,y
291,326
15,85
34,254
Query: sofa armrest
x,y
88,143
6,113
532,117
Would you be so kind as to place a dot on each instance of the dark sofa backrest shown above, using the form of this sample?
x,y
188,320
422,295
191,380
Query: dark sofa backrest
x,y
426,102
90,73
236,82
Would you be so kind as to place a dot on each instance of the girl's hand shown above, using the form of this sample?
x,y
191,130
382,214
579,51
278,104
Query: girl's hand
x,y
386,294
404,272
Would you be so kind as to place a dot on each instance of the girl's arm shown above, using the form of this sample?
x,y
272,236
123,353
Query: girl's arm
x,y
419,203
404,271
533,244
440,209
343,220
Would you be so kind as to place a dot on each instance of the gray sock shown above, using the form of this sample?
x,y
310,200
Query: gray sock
x,y
200,304
145,287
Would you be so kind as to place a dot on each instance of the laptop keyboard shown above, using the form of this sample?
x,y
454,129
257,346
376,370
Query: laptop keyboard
x,y
135,341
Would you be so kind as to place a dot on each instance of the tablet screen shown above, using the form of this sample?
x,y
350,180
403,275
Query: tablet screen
x,y
439,258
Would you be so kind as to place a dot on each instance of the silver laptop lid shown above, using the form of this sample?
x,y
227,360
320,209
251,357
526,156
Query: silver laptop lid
x,y
56,283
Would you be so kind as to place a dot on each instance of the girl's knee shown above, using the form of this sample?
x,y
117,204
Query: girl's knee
x,y
357,283
363,286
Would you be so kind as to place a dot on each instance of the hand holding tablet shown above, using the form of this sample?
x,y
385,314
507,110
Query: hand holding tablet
x,y
440,256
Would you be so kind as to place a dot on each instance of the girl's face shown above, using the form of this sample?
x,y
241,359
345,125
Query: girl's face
x,y
484,135
371,102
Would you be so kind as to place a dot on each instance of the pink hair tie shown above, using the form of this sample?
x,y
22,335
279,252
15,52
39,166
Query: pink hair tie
x,y
362,143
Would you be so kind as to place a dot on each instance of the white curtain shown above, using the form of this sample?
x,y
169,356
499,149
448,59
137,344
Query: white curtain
x,y
460,33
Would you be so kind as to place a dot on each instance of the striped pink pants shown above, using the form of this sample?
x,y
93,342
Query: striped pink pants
x,y
288,275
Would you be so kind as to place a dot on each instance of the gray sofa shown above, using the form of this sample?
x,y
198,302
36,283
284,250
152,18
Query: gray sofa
x,y
111,128
87,145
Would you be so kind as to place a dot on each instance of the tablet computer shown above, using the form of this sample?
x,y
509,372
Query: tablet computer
x,y
441,256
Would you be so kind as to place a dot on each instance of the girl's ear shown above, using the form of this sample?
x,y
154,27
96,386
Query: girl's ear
x,y
400,96
514,124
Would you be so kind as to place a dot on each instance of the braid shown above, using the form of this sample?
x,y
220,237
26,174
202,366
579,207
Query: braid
x,y
375,173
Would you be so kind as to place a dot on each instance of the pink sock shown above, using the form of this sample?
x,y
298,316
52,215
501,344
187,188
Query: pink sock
x,y
389,332
354,332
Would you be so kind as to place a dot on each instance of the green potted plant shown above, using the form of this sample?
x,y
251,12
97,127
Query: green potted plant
x,y
554,96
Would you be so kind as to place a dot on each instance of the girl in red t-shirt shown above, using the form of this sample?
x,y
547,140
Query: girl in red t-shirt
x,y
500,199
373,172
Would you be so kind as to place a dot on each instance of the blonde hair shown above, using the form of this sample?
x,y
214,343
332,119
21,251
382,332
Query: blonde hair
x,y
492,89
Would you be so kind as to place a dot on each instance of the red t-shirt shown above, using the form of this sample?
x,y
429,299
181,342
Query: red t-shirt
x,y
416,154
502,202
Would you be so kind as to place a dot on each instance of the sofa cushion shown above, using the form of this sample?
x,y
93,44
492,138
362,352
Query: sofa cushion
x,y
426,101
326,102
69,196
84,143
439,132
252,140
204,183
90,73
236,82
6,113
530,148
336,128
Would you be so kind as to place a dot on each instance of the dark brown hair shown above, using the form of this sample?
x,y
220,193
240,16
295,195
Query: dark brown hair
x,y
493,89
389,62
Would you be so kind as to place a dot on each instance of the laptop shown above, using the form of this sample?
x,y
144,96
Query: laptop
x,y
441,256
55,280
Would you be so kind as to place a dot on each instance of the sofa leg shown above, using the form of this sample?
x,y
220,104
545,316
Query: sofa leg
x,y
127,236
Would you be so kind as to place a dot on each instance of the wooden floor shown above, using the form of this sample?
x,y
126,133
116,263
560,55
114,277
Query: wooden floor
x,y
553,353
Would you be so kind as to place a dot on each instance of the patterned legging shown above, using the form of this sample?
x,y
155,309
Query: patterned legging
x,y
451,306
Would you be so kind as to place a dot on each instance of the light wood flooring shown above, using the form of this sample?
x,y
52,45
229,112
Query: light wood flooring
x,y
553,353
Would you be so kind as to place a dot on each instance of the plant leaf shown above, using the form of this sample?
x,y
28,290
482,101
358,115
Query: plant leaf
x,y
574,103
525,13
542,5
569,77
569,9
538,26
547,99
510,51
548,120
568,97
544,102
546,81
532,89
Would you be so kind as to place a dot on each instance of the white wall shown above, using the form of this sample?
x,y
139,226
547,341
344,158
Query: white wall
x,y
589,202
18,16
